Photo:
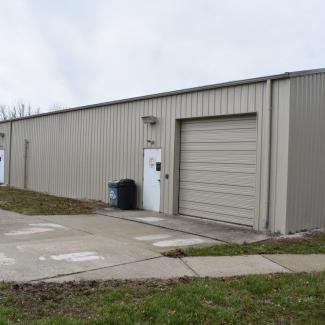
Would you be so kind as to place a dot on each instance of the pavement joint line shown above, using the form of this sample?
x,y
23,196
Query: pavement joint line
x,y
164,227
148,259
292,271
190,268
81,230
91,270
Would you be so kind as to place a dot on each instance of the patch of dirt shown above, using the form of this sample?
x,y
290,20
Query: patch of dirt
x,y
73,298
91,205
52,289
176,253
297,238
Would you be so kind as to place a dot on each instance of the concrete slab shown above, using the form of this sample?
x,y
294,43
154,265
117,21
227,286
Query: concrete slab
x,y
24,232
200,227
300,263
140,234
48,257
162,268
36,247
224,266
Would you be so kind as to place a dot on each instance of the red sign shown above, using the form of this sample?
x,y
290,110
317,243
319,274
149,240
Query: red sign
x,y
152,162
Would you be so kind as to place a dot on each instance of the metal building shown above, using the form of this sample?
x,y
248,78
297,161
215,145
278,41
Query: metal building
x,y
248,152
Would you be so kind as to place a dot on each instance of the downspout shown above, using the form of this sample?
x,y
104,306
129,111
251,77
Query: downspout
x,y
25,162
268,152
9,164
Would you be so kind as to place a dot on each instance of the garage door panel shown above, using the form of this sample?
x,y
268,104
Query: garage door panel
x,y
219,209
220,146
235,168
219,157
219,178
230,189
218,169
231,135
223,124
224,199
218,216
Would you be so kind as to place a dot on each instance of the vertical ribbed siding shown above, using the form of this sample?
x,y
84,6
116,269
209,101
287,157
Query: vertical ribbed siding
x,y
5,144
279,155
306,176
76,153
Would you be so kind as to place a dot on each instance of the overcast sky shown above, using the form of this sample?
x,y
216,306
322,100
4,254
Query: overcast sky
x,y
77,52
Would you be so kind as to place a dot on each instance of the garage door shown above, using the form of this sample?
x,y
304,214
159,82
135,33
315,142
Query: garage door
x,y
218,169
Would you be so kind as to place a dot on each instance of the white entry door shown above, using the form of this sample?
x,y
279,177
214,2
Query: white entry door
x,y
2,166
151,179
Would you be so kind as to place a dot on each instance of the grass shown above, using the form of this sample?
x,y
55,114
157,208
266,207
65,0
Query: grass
x,y
35,203
255,299
313,243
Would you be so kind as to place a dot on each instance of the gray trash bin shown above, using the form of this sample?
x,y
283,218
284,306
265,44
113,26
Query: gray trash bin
x,y
113,193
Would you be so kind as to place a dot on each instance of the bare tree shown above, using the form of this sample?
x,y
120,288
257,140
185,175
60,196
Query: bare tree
x,y
4,114
21,109
57,107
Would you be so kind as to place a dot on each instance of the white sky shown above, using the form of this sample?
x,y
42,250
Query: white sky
x,y
78,52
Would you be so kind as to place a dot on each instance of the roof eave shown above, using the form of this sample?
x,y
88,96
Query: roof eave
x,y
176,92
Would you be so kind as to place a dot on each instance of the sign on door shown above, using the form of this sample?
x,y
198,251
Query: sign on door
x,y
2,166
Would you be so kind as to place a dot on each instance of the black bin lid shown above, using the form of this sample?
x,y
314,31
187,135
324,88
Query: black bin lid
x,y
126,182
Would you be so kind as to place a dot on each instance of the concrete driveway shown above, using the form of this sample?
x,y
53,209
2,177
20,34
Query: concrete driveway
x,y
48,247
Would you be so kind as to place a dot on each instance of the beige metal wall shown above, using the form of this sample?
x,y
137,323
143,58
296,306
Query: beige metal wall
x,y
5,144
76,153
306,175
279,155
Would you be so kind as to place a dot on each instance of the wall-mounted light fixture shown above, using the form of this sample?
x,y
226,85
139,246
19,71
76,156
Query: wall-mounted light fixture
x,y
2,135
149,119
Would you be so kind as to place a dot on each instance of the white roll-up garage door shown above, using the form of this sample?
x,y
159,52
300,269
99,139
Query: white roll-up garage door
x,y
218,169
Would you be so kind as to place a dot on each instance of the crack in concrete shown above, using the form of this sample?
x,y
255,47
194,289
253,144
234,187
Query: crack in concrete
x,y
190,268
96,269
292,271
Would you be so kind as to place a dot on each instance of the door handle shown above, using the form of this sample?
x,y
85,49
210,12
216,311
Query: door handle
x,y
158,180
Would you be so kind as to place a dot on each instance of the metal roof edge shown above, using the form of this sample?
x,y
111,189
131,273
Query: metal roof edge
x,y
174,92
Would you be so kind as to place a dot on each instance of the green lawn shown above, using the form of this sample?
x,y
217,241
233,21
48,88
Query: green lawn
x,y
34,203
258,299
313,243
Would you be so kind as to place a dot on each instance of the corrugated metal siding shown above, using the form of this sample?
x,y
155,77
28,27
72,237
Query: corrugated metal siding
x,y
218,169
76,153
279,155
306,176
5,144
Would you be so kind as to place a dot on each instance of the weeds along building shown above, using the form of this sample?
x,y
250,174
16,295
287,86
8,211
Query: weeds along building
x,y
248,152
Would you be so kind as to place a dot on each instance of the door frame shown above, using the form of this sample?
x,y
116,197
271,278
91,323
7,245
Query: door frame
x,y
4,164
260,148
162,166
